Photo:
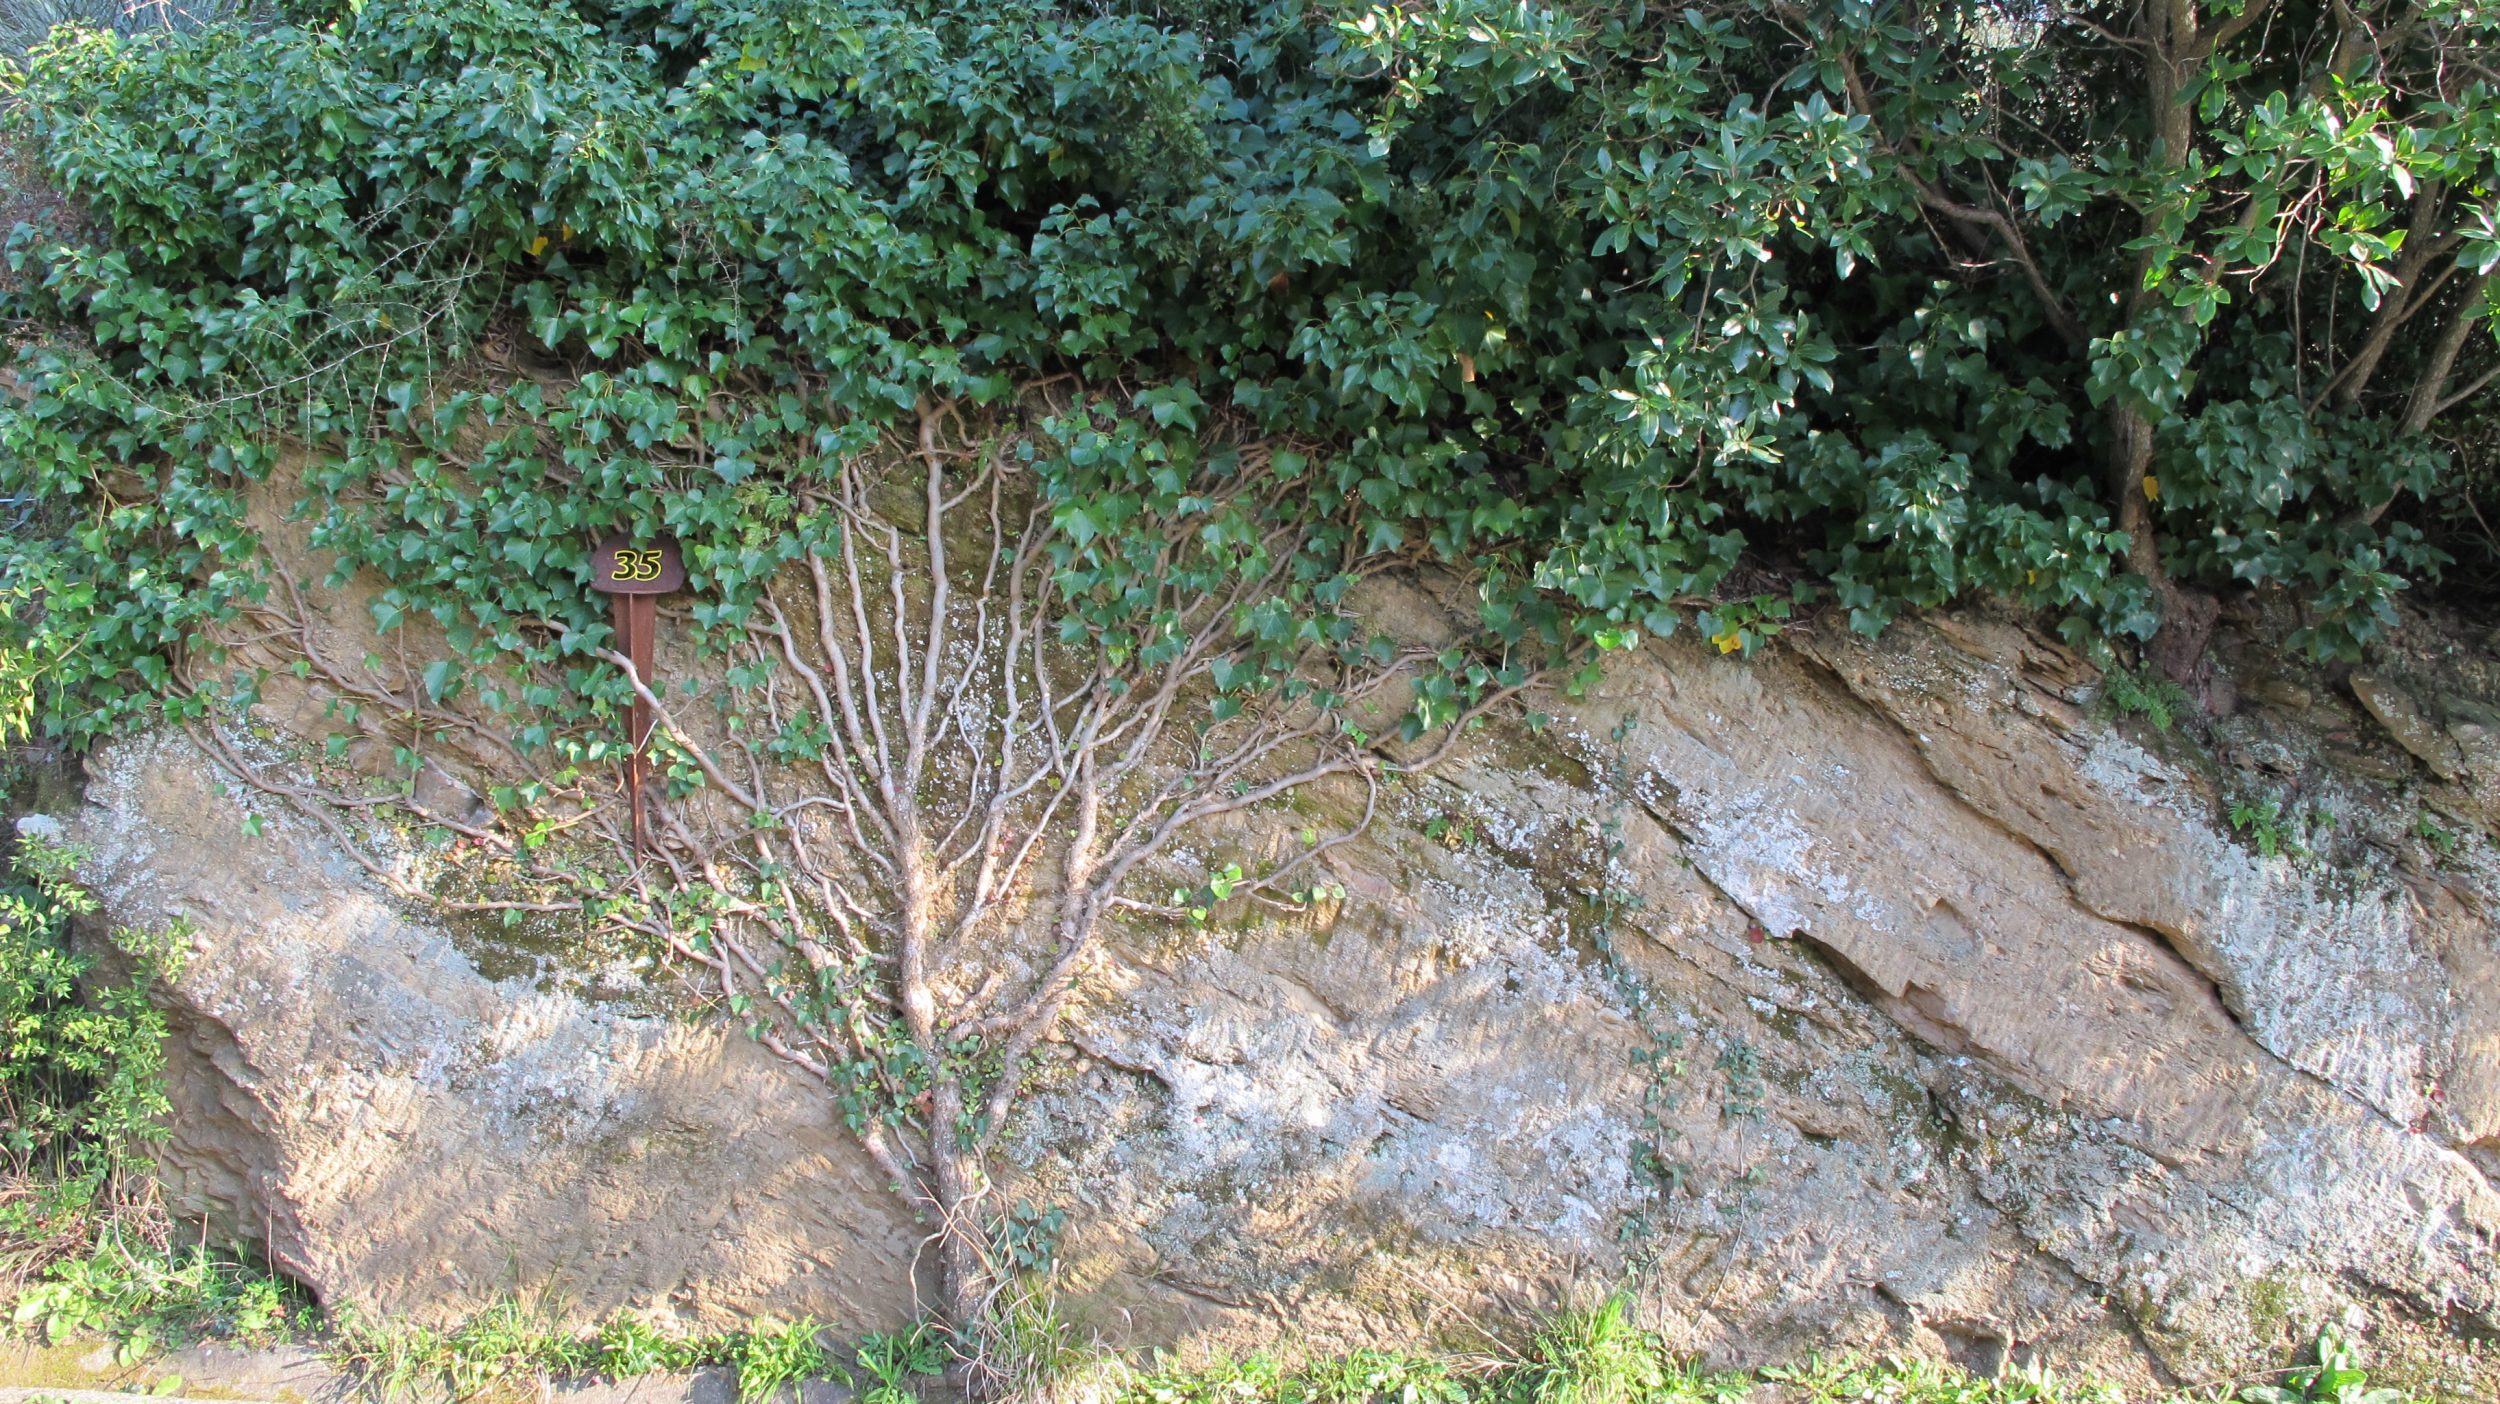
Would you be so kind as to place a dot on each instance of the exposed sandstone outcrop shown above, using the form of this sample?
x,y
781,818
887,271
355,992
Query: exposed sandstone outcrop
x,y
401,1131
1982,1035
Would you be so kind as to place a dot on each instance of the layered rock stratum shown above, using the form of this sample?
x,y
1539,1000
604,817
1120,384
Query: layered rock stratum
x,y
1948,1014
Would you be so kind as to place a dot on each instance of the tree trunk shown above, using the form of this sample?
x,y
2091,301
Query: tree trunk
x,y
2173,49
963,1271
2130,458
2431,386
2398,304
954,1181
2180,647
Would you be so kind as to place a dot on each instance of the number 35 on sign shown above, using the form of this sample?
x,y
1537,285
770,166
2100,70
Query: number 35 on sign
x,y
628,563
625,565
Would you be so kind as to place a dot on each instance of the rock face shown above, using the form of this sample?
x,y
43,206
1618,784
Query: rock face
x,y
401,1131
1946,1016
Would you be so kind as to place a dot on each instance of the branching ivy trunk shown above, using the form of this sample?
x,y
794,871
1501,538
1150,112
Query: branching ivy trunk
x,y
961,732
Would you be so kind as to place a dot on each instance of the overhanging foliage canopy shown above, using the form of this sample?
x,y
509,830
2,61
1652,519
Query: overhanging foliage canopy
x,y
2055,302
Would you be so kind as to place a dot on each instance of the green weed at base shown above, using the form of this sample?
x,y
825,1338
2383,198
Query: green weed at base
x,y
1599,1356
897,1362
511,1341
775,1355
144,1297
1859,1380
1387,1375
516,1349
630,1346
518,1346
2338,1377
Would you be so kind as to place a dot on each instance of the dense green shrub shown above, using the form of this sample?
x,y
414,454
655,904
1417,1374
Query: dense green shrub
x,y
82,1094
1912,301
79,1069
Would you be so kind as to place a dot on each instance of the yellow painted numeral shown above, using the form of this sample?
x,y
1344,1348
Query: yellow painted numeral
x,y
637,564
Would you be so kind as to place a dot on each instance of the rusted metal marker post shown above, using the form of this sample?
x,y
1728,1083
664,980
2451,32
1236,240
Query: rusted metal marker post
x,y
637,568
